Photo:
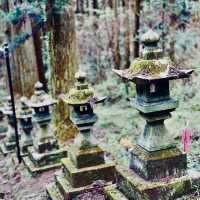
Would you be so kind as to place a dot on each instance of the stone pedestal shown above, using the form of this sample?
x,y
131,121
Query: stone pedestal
x,y
3,126
43,156
136,188
8,145
79,171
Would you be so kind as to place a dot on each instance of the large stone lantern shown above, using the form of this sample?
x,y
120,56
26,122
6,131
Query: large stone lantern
x,y
86,162
9,143
26,125
155,158
45,154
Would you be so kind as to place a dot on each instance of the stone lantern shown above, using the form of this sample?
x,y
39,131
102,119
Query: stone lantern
x,y
3,125
45,153
85,163
26,125
9,143
155,157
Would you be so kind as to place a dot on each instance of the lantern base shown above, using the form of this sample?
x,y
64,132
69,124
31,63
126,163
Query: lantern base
x,y
73,180
24,148
7,147
86,157
134,187
62,190
3,130
159,164
38,162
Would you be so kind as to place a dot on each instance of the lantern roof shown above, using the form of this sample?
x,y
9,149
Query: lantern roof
x,y
82,93
25,110
40,98
152,65
8,106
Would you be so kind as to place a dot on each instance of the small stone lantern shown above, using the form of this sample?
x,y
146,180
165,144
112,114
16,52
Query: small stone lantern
x,y
155,156
26,125
3,125
9,142
45,153
85,163
82,100
41,103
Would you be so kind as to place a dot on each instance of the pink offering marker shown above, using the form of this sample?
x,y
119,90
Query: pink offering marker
x,y
186,139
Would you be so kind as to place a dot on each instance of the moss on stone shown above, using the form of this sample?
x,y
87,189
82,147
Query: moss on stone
x,y
157,155
149,67
80,96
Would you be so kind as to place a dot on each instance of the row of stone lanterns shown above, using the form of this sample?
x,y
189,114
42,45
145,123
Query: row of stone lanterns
x,y
40,149
158,169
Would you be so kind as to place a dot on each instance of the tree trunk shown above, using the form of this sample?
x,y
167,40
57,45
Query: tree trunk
x,y
24,63
136,27
127,35
95,6
116,34
39,58
63,51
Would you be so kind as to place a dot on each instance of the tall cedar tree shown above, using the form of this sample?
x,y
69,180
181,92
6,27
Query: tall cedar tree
x,y
24,61
136,27
116,34
64,63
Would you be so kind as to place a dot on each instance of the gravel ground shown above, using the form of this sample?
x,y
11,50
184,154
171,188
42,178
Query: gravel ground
x,y
17,183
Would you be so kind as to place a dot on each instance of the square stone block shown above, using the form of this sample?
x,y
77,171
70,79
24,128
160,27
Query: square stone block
x,y
47,146
86,176
49,157
35,170
159,164
61,189
87,157
112,193
5,151
137,188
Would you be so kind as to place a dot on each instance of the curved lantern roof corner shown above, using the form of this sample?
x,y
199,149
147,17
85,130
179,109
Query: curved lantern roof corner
x,y
152,65
40,97
82,93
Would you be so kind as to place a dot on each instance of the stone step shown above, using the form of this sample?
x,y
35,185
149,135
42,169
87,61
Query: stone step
x,y
112,193
53,193
66,189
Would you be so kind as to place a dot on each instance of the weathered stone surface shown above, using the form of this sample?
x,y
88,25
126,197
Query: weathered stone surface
x,y
112,193
159,164
7,148
86,157
38,170
50,157
134,187
86,176
49,145
167,105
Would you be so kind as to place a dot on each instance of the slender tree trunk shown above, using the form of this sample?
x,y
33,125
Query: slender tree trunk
x,y
116,29
95,6
136,13
39,58
63,51
127,35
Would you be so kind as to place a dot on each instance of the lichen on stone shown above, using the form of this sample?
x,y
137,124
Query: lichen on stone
x,y
149,67
80,96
